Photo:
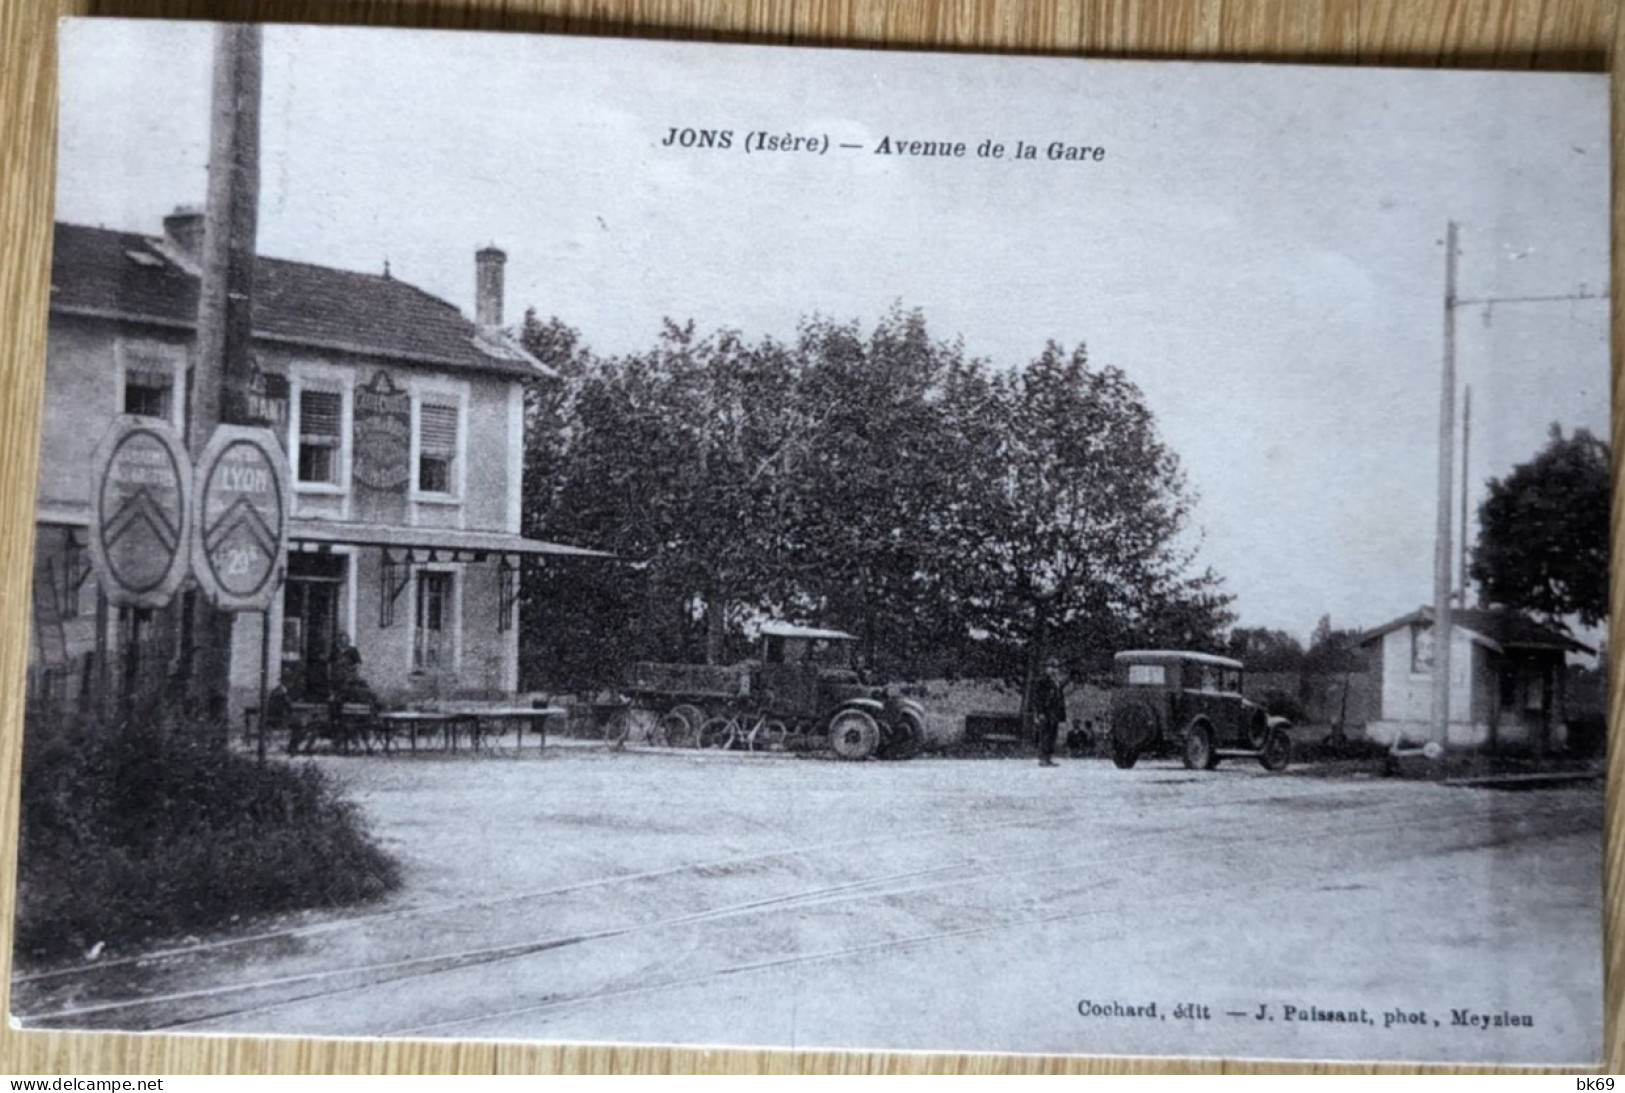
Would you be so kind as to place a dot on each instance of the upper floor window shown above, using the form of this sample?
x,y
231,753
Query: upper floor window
x,y
321,420
148,393
437,448
150,375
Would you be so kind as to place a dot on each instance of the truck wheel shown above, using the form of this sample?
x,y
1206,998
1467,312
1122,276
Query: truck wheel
x,y
1199,749
907,736
1124,757
673,732
683,724
853,734
1277,751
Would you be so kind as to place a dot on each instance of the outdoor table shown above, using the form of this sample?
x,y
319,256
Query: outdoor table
x,y
520,716
449,721
413,721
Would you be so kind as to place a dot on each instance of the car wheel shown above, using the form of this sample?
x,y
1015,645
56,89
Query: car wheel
x,y
1124,757
853,734
1199,748
1258,730
1277,751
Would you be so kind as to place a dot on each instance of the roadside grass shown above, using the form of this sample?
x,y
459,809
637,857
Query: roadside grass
x,y
136,834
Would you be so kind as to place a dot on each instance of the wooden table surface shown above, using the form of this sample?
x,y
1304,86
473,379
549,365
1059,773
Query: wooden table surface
x,y
1549,34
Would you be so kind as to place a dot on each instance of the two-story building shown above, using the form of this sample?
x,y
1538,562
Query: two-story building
x,y
403,422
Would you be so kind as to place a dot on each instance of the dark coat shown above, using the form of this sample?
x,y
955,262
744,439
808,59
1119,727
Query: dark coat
x,y
1049,703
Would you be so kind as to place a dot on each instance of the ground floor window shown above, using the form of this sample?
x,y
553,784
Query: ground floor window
x,y
432,632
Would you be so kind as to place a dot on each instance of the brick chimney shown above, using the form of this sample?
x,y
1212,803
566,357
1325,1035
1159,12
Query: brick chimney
x,y
184,230
488,263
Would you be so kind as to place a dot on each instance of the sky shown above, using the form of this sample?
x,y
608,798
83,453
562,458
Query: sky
x,y
1260,248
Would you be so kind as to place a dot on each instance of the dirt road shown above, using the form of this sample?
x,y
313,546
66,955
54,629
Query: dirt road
x,y
973,905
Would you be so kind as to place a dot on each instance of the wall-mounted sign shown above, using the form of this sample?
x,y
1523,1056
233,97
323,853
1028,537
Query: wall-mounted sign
x,y
383,434
265,402
241,530
140,512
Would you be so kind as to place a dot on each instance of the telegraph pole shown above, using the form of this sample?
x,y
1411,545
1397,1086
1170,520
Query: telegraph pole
x,y
1443,555
223,366
1466,449
1443,583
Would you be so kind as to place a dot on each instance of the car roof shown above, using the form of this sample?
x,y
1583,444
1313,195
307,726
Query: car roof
x,y
1165,655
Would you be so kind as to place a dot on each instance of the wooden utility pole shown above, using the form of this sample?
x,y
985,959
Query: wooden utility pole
x,y
1466,449
1443,555
223,365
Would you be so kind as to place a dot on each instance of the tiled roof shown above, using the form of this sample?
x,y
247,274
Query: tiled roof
x,y
115,274
1506,628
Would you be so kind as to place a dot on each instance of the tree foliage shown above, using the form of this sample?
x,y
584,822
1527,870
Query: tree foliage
x,y
948,512
1265,650
1543,533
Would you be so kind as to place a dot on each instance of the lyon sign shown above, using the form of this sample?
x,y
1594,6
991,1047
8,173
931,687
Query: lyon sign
x,y
241,531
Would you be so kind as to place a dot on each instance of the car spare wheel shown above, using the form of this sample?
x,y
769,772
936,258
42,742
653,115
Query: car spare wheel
x,y
853,734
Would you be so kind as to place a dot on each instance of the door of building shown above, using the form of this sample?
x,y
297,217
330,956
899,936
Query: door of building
x,y
310,622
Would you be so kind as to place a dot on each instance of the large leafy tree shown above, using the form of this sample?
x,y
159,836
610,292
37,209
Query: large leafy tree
x,y
1079,551
876,480
1543,533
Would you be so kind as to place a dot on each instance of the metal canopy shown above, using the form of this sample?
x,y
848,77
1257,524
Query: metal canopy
x,y
313,533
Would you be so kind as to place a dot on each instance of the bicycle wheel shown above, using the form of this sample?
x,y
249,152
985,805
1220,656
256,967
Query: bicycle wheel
x,y
717,733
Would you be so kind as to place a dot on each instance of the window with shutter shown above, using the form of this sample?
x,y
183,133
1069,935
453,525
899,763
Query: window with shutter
x,y
437,447
320,419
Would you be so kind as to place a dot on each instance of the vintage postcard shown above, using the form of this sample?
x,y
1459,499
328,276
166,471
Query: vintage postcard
x,y
578,540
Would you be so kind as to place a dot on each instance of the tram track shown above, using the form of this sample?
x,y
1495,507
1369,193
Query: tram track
x,y
157,957
337,982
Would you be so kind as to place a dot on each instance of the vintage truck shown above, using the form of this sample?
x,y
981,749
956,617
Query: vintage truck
x,y
802,692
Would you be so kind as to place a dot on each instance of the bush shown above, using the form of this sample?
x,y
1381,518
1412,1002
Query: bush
x,y
140,833
1588,735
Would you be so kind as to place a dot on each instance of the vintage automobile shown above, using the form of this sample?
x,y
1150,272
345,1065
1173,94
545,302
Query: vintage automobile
x,y
802,693
1190,704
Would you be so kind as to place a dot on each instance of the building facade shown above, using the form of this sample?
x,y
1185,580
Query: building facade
x,y
403,424
1508,679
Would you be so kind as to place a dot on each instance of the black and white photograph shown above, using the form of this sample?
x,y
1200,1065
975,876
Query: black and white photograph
x,y
577,540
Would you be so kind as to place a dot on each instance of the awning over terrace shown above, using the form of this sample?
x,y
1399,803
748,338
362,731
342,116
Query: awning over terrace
x,y
407,547
449,544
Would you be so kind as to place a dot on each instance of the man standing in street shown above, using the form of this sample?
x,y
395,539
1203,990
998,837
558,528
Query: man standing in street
x,y
1049,711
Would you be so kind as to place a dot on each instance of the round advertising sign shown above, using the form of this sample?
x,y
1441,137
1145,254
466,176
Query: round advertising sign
x,y
140,512
240,534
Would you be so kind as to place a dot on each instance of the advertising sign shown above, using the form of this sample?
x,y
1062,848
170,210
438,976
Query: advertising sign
x,y
140,512
241,529
383,434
